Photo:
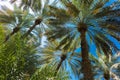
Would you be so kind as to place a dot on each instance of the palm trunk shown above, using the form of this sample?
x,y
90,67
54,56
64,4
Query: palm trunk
x,y
63,57
15,30
86,65
58,67
29,31
107,75
38,21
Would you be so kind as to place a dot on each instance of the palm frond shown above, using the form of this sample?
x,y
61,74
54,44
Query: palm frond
x,y
114,35
109,11
72,10
103,42
35,5
110,26
58,13
15,19
6,15
54,32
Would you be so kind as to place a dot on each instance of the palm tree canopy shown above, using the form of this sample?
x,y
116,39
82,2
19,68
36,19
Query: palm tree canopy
x,y
52,56
101,21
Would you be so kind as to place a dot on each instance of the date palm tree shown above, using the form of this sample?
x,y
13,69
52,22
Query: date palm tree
x,y
31,13
106,67
16,19
60,59
95,22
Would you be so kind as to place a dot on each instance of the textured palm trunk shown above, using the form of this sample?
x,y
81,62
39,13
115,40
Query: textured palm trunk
x,y
63,57
86,65
38,21
107,75
15,30
58,67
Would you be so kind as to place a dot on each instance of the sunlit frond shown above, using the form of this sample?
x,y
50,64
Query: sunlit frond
x,y
35,5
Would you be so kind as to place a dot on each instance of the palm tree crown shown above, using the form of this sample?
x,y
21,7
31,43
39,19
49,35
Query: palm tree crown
x,y
93,20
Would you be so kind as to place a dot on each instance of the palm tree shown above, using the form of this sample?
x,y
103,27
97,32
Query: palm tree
x,y
15,19
93,20
30,15
106,66
59,59
40,11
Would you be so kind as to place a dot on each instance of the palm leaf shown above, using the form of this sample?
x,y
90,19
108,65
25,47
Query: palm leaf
x,y
34,5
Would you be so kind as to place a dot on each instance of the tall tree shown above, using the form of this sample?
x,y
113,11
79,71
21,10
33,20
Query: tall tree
x,y
60,59
106,67
41,15
96,22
